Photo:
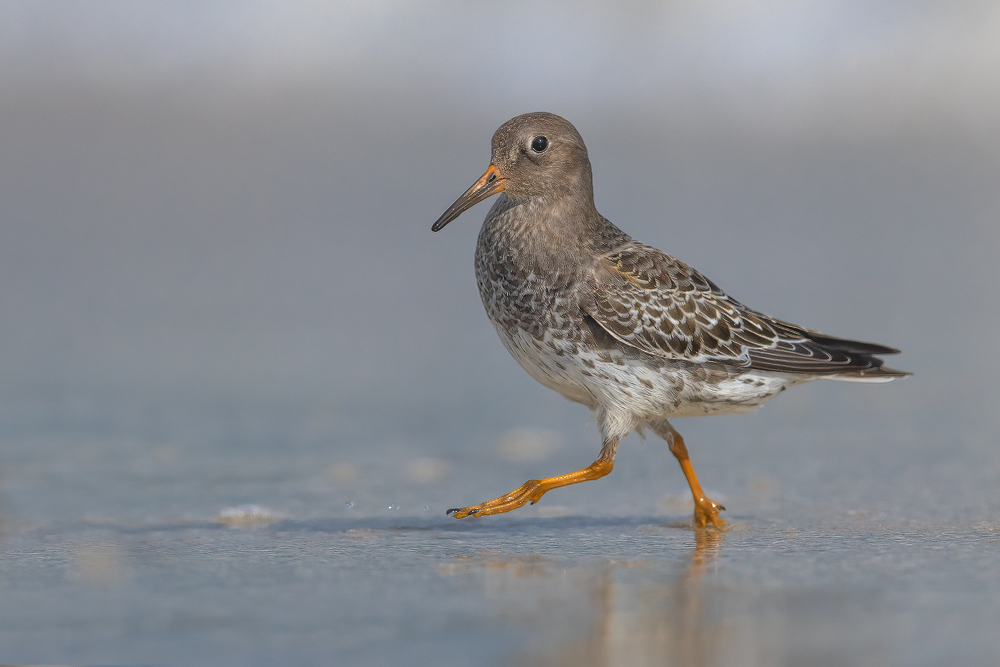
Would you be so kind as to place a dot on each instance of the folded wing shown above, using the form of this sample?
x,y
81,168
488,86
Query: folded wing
x,y
655,303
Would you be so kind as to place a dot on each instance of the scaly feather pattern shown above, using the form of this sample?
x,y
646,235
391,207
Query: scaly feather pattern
x,y
658,304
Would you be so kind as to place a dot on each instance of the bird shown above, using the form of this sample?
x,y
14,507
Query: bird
x,y
634,334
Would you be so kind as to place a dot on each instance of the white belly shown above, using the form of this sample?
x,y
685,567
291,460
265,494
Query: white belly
x,y
634,389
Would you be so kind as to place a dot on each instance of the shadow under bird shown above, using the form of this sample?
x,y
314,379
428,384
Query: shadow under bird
x,y
636,335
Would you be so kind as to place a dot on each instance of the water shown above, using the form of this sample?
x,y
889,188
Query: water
x,y
238,536
242,381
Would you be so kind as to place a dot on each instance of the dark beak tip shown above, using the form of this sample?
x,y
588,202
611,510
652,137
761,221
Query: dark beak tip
x,y
453,212
440,223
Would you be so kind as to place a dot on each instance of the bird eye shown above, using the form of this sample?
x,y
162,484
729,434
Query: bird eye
x,y
539,144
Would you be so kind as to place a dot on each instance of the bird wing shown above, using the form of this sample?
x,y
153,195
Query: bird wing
x,y
655,303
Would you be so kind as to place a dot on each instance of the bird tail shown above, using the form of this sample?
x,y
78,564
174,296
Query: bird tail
x,y
804,352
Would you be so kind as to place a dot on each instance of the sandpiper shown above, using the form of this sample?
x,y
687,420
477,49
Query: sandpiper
x,y
636,335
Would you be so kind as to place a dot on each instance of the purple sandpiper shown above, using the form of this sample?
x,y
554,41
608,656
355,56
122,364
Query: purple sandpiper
x,y
636,335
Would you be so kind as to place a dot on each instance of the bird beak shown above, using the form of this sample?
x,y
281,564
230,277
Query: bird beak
x,y
488,185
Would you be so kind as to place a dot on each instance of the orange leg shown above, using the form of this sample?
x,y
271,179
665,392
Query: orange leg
x,y
706,510
532,490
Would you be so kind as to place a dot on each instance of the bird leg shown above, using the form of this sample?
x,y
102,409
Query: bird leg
x,y
532,490
706,510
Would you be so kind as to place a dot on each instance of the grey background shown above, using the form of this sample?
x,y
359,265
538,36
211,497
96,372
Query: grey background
x,y
219,288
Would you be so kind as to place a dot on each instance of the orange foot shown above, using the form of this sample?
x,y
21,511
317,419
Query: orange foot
x,y
534,489
706,511
530,491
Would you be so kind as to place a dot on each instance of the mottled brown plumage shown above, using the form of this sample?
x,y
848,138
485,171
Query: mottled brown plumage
x,y
658,304
634,334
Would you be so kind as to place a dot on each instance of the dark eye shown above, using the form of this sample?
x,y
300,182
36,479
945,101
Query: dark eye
x,y
539,144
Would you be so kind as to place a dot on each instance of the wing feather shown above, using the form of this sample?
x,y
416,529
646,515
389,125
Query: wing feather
x,y
655,303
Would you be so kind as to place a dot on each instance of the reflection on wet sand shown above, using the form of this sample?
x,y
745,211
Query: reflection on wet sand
x,y
647,614
636,612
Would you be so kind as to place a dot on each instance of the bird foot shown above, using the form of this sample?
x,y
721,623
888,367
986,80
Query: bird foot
x,y
706,513
530,491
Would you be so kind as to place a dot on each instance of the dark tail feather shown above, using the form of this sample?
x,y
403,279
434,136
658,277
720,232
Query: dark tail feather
x,y
825,356
851,346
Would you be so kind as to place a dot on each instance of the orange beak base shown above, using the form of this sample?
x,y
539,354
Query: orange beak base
x,y
488,185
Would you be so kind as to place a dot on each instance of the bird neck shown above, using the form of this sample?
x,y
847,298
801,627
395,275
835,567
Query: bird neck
x,y
545,227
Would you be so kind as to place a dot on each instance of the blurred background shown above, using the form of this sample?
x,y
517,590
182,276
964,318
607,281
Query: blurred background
x,y
220,213
219,288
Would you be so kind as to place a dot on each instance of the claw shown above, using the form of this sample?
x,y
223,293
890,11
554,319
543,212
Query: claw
x,y
464,511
